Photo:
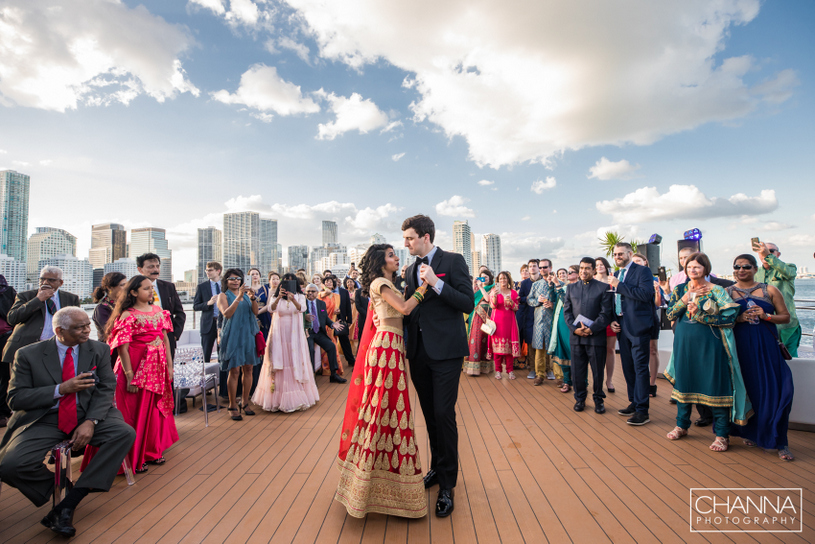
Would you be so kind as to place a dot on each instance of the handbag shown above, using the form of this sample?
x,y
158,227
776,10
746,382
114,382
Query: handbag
x,y
344,330
785,353
488,327
260,344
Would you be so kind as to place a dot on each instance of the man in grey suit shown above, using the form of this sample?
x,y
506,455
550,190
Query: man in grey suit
x,y
54,399
33,311
591,300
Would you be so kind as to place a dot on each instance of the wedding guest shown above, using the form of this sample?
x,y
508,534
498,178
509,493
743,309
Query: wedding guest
x,y
588,308
139,330
540,299
164,295
525,317
206,302
559,349
504,346
767,376
54,399
332,306
521,363
477,362
286,381
378,456
317,280
32,312
782,276
346,317
562,275
105,296
238,351
680,277
352,288
524,272
653,362
7,296
603,273
301,278
702,369
361,306
261,294
317,321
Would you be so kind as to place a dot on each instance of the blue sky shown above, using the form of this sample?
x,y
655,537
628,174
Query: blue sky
x,y
575,117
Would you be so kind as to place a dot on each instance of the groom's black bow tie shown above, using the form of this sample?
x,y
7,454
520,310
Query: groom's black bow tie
x,y
422,260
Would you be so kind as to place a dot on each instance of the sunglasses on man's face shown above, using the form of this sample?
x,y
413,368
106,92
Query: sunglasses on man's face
x,y
742,267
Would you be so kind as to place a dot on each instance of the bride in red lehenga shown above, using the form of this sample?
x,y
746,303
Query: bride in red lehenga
x,y
378,458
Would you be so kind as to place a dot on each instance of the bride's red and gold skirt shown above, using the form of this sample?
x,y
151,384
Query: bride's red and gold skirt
x,y
378,458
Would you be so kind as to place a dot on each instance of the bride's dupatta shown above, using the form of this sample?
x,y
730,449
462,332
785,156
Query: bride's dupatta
x,y
357,385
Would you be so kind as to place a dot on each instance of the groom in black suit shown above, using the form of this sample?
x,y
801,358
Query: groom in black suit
x,y
436,344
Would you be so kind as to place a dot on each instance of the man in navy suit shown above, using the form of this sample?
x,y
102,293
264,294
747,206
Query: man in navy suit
x,y
634,308
206,298
316,321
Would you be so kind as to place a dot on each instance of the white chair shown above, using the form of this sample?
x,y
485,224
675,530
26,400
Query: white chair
x,y
198,377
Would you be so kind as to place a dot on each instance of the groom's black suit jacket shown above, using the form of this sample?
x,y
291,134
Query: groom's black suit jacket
x,y
441,317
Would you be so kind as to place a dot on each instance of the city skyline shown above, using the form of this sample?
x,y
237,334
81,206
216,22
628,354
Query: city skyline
x,y
544,123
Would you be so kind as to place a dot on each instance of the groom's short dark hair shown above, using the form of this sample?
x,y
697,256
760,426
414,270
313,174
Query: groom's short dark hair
x,y
422,225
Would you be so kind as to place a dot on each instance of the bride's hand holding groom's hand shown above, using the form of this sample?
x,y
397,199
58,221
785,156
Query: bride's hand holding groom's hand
x,y
427,275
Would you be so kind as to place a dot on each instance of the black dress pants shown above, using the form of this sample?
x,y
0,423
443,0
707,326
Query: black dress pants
x,y
582,356
327,345
635,355
436,385
345,344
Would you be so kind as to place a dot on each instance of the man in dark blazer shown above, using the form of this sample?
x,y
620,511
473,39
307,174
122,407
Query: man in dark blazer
x,y
348,317
436,345
634,311
525,316
316,320
590,299
54,399
33,311
206,298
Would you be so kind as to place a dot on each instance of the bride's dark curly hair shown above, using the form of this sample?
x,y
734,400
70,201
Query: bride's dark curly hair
x,y
372,264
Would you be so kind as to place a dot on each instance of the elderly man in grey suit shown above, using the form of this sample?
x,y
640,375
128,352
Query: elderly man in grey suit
x,y
54,398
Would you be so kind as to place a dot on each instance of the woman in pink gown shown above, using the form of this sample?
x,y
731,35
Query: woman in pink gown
x,y
144,372
504,346
286,382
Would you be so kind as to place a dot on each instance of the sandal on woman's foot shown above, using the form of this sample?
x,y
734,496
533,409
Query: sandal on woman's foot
x,y
235,417
749,443
159,461
246,410
511,375
497,375
785,454
141,470
720,444
677,433
565,388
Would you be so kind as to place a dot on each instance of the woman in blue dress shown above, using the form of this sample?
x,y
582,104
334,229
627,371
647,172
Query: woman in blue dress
x,y
238,352
767,376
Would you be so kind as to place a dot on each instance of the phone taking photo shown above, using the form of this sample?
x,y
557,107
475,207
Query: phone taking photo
x,y
661,274
755,242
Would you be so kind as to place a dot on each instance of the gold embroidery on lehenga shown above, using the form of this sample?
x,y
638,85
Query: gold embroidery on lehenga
x,y
394,420
395,461
345,435
389,381
403,448
369,464
403,423
364,396
375,398
385,400
368,414
392,361
379,380
358,381
383,360
400,404
355,436
389,444
401,385
401,364
403,467
410,468
386,341
397,437
411,447
369,377
380,445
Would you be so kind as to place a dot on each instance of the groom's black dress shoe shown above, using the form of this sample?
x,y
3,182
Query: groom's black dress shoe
x,y
430,479
336,379
444,504
61,521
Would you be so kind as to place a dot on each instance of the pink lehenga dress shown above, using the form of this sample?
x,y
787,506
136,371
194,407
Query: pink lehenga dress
x,y
150,410
286,382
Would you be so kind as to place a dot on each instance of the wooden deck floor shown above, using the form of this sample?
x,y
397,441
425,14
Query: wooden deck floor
x,y
531,470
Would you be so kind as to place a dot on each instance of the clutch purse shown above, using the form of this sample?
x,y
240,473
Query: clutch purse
x,y
488,327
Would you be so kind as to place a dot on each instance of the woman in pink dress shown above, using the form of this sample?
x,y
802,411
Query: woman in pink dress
x,y
504,346
144,372
286,382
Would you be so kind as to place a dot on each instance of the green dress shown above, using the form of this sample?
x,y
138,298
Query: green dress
x,y
559,347
704,367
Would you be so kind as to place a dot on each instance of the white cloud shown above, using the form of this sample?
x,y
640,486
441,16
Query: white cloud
x,y
20,163
776,226
3,151
540,186
605,169
301,50
370,220
353,113
241,13
217,6
397,156
55,56
525,82
46,162
486,182
801,240
261,88
454,207
684,202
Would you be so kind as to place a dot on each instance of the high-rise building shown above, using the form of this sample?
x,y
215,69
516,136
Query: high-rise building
x,y
14,189
491,252
241,240
191,276
298,258
209,249
277,261
14,271
108,244
153,240
268,246
404,256
377,238
462,238
77,275
330,233
476,258
125,266
47,242
355,253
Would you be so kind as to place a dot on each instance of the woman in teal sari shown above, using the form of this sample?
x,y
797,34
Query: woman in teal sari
x,y
704,367
476,362
559,348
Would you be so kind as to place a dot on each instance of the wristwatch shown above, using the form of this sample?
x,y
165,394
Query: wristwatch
x,y
95,422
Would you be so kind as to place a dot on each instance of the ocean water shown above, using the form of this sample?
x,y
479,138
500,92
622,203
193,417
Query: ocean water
x,y
805,290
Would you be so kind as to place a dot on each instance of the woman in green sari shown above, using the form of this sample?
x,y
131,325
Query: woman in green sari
x,y
476,362
704,367
559,348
